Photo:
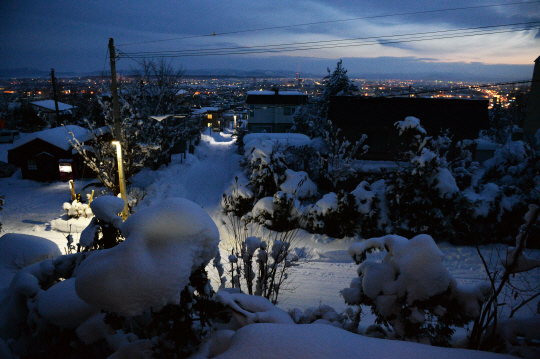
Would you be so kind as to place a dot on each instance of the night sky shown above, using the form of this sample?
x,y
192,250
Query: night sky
x,y
73,35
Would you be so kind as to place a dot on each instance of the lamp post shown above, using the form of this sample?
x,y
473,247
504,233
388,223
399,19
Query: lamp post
x,y
234,124
121,178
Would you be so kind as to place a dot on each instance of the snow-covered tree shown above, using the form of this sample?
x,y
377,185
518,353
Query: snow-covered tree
x,y
312,118
422,195
154,87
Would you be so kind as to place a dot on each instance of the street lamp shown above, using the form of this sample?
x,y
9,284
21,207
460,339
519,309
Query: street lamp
x,y
234,124
121,178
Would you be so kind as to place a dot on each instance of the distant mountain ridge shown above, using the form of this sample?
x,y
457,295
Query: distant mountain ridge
x,y
27,72
261,73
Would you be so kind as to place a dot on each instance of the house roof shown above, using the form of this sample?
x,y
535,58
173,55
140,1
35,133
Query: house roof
x,y
203,110
58,136
49,105
273,98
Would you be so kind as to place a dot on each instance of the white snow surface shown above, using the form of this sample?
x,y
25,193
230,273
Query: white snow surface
x,y
164,244
107,209
268,140
316,341
21,250
408,124
202,178
291,184
61,305
50,105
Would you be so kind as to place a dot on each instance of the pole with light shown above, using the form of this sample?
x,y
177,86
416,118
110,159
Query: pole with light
x,y
117,129
121,178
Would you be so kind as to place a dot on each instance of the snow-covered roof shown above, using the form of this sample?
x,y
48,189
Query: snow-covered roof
x,y
58,136
49,105
159,118
200,111
181,92
280,93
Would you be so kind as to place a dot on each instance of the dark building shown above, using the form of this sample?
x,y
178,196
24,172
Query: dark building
x,y
376,116
532,121
41,154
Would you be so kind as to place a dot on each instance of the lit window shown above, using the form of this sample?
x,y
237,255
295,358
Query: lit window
x,y
32,166
209,117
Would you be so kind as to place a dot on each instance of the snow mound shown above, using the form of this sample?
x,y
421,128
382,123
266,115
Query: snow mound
x,y
61,305
418,264
410,123
292,183
106,208
249,309
315,341
164,244
21,250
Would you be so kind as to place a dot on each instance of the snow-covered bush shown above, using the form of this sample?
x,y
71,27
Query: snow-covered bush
x,y
461,164
103,232
422,195
266,166
411,291
306,158
373,212
338,165
335,215
259,258
77,209
238,198
325,314
279,213
149,291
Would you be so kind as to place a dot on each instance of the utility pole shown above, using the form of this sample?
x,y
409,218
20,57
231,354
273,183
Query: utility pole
x,y
53,79
117,129
114,90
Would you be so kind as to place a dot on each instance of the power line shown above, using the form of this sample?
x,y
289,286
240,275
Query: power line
x,y
532,23
382,40
331,21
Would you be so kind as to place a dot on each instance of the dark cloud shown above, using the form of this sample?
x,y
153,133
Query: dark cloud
x,y
537,36
73,35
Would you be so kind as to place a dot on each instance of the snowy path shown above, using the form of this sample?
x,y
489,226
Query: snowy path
x,y
201,178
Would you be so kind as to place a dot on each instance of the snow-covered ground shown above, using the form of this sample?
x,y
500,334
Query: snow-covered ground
x,y
202,178
31,207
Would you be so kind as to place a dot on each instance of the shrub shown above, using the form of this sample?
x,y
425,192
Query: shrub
x,y
411,291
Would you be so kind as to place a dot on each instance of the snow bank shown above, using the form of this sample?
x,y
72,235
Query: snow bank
x,y
164,244
249,309
291,184
254,141
70,225
21,250
314,341
275,136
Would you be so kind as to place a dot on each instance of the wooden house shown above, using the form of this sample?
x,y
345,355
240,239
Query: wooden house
x,y
41,155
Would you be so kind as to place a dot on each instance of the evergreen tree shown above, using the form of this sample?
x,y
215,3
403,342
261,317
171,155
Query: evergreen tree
x,y
312,118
